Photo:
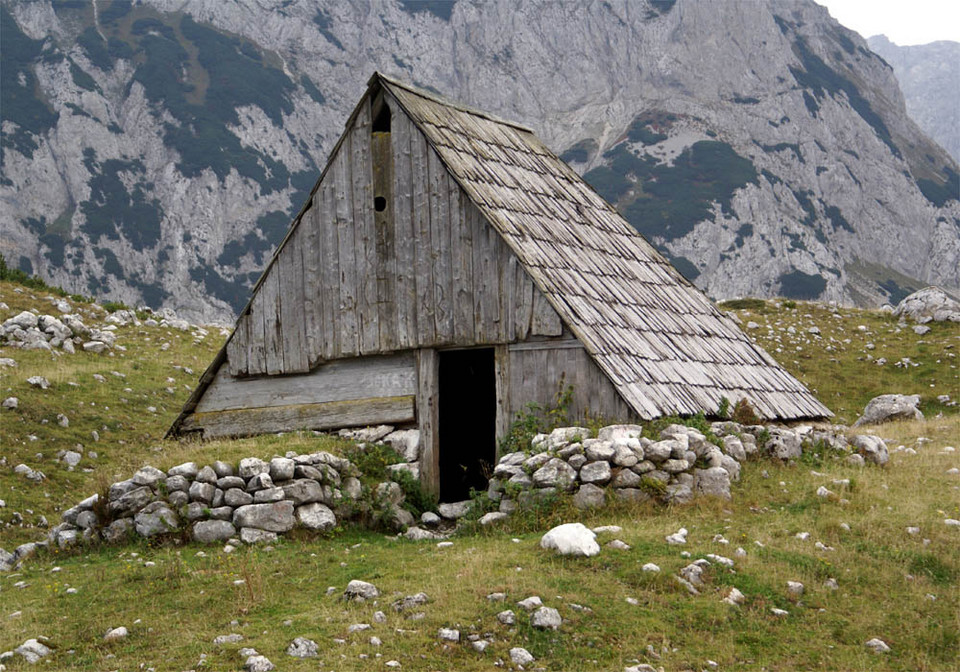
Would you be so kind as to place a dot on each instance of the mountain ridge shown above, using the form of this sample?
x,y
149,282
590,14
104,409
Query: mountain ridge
x,y
171,185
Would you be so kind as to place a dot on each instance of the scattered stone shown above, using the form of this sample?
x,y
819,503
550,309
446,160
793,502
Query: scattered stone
x,y
734,597
872,448
877,645
448,635
116,634
520,656
258,663
33,650
650,567
39,381
492,517
360,591
530,603
546,618
507,617
795,588
889,407
618,545
678,537
10,403
571,539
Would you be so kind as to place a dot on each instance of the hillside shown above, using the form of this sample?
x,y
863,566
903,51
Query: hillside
x,y
929,76
111,410
155,152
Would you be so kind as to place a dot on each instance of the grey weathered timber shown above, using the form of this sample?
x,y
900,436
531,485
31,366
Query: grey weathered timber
x,y
237,349
428,375
330,415
292,313
329,336
273,339
424,245
312,289
440,240
386,236
368,328
346,244
339,380
404,240
505,415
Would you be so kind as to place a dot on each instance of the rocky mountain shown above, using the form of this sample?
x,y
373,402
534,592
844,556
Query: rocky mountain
x,y
929,76
155,151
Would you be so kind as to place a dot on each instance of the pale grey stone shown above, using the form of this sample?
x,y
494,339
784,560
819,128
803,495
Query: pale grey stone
x,y
872,448
252,535
889,407
589,496
202,492
448,635
281,468
275,517
674,466
491,518
236,497
261,481
221,513
301,647
783,444
659,451
600,450
406,442
303,491
316,516
618,432
177,483
877,645
148,476
507,617
390,492
520,656
229,482
595,472
571,539
211,531
222,469
33,651
555,473
207,475
546,618
714,482
155,518
117,531
131,502
251,466
187,470
626,478
360,590
268,495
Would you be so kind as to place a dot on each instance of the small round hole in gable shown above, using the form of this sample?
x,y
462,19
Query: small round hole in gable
x,y
379,204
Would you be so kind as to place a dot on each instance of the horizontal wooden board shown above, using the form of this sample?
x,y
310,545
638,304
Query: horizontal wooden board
x,y
331,415
340,380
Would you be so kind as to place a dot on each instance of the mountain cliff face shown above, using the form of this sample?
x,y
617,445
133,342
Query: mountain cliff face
x,y
155,152
929,76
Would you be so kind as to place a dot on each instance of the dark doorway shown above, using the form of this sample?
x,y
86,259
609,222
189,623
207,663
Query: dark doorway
x,y
468,412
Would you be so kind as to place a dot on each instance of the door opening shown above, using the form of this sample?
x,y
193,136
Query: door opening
x,y
467,422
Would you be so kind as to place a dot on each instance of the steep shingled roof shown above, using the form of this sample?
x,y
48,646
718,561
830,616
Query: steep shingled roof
x,y
662,343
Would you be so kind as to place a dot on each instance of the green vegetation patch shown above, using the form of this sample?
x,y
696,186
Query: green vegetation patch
x,y
821,80
21,102
939,193
581,152
113,210
442,9
800,285
672,199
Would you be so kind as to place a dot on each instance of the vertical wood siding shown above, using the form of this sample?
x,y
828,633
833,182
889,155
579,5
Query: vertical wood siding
x,y
428,271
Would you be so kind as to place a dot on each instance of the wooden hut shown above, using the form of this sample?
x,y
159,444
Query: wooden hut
x,y
448,270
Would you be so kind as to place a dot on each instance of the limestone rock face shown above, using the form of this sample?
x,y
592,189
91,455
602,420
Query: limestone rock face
x,y
830,166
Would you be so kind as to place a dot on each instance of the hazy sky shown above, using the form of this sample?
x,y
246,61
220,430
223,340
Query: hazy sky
x,y
905,22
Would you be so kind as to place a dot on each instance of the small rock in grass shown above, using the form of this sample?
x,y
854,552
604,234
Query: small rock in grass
x,y
546,618
448,635
258,663
678,537
507,617
301,647
795,588
531,603
877,645
520,656
115,634
779,612
232,638
360,590
734,597
618,545
650,567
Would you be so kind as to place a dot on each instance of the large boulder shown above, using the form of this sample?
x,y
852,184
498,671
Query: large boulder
x,y
571,539
316,516
872,448
889,407
273,517
210,531
929,304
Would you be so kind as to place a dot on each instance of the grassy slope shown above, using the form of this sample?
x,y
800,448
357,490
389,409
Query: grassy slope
x,y
183,601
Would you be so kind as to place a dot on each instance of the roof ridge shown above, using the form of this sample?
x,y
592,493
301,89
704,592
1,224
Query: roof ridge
x,y
447,102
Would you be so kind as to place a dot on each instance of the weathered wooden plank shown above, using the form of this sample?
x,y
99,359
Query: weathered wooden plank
x,y
256,351
237,348
364,231
329,269
428,373
404,240
312,285
338,380
331,415
504,418
463,253
272,326
462,314
347,313
488,277
386,237
440,239
545,321
426,324
290,266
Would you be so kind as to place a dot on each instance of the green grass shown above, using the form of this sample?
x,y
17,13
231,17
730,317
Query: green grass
x,y
185,600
